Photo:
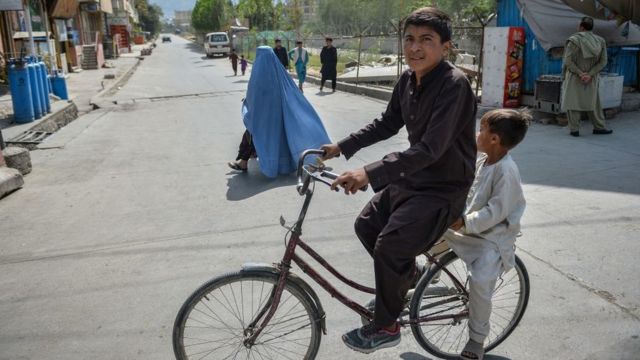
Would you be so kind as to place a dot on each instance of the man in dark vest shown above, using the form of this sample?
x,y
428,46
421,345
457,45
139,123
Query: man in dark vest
x,y
281,53
329,60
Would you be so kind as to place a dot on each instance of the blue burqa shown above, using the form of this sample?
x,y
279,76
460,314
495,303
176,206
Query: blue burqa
x,y
280,119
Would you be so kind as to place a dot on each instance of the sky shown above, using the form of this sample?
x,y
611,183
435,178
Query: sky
x,y
170,6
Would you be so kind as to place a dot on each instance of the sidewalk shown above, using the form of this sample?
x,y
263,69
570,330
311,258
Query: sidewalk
x,y
82,87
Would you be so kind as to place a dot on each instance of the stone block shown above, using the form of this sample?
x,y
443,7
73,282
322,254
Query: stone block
x,y
10,180
18,158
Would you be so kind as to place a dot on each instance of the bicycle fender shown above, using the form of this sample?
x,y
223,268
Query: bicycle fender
x,y
298,282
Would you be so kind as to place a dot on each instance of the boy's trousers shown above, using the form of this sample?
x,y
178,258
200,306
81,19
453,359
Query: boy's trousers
x,y
395,227
485,265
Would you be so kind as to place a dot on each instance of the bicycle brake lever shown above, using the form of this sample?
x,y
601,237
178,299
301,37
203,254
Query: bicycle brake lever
x,y
325,182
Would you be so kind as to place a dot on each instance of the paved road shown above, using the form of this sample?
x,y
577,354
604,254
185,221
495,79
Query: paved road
x,y
132,207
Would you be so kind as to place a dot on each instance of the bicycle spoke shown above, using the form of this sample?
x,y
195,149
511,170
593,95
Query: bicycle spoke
x,y
227,331
286,350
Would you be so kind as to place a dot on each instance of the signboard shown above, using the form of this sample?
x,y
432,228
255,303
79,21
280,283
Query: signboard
x,y
513,78
6,5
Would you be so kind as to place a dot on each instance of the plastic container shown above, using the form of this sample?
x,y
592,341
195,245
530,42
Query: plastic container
x,y
35,95
59,86
20,86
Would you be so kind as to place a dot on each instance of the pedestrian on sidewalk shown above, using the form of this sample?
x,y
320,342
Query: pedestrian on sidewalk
x,y
282,54
585,55
421,190
300,58
243,64
280,121
234,61
329,61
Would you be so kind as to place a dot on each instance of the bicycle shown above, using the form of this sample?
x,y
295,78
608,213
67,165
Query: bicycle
x,y
267,312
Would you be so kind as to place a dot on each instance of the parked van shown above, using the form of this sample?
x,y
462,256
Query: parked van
x,y
217,43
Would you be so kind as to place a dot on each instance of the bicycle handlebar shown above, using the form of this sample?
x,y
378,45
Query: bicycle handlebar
x,y
303,184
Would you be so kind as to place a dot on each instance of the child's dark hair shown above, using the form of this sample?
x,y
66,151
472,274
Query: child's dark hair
x,y
434,18
511,125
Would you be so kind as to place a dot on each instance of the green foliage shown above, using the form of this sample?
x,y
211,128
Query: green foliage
x,y
259,12
210,15
149,16
377,16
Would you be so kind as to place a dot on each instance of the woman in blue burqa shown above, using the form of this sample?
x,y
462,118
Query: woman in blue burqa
x,y
280,122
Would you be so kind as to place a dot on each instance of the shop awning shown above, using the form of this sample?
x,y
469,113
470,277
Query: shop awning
x,y
626,10
553,21
65,9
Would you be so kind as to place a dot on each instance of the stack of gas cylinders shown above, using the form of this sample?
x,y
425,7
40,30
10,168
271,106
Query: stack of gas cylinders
x,y
30,86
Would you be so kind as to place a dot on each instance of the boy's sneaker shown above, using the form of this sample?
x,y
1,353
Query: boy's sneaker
x,y
370,338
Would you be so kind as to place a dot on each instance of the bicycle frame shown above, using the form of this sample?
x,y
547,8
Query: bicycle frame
x,y
290,256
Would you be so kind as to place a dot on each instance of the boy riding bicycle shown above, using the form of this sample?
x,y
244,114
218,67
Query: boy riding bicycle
x,y
420,191
484,237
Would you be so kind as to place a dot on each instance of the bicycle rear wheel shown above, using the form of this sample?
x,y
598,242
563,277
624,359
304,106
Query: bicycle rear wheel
x,y
446,338
213,322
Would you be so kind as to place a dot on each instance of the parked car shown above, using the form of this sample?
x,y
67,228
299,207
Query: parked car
x,y
166,38
217,43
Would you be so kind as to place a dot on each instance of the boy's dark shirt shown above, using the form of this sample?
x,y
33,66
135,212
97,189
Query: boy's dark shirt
x,y
234,58
282,55
440,120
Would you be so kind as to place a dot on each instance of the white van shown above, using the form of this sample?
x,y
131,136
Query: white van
x,y
217,43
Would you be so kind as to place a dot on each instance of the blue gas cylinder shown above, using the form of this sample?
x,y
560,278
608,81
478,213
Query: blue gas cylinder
x,y
20,91
36,95
59,85
45,84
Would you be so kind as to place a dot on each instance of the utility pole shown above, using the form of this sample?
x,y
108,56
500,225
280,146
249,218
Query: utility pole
x,y
27,21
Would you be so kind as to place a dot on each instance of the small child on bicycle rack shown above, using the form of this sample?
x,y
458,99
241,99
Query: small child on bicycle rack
x,y
484,237
422,190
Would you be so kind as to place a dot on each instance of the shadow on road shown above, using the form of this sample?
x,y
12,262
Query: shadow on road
x,y
242,186
415,356
241,81
195,48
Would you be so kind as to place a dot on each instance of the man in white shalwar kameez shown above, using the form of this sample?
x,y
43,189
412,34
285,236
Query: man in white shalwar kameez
x,y
484,237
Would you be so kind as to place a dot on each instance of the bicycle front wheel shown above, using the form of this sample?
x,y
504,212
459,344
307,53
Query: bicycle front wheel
x,y
437,295
214,321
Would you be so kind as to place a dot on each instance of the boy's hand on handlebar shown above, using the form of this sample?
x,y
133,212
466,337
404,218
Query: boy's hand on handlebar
x,y
351,181
330,150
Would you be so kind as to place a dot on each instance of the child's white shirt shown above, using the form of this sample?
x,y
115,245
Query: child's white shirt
x,y
495,205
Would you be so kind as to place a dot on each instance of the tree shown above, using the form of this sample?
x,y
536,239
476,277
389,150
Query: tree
x,y
210,15
376,16
149,16
259,12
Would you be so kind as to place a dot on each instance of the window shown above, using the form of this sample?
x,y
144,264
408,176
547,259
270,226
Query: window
x,y
218,38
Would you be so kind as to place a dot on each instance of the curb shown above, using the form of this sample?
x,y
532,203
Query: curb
x,y
51,123
376,93
118,82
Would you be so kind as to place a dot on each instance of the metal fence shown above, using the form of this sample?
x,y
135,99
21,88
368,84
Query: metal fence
x,y
374,60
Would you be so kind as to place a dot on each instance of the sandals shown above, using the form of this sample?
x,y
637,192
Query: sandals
x,y
472,351
236,166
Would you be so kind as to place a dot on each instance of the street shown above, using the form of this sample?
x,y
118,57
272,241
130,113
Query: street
x,y
133,207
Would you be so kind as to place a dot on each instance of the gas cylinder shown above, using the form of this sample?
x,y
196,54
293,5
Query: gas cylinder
x,y
20,91
45,84
36,95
